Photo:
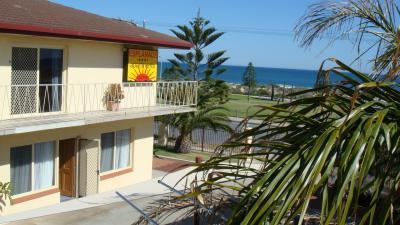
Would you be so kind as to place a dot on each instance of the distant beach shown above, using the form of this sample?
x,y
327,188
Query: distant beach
x,y
277,76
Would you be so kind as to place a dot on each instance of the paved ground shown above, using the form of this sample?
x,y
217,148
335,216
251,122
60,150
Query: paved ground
x,y
169,165
115,213
106,208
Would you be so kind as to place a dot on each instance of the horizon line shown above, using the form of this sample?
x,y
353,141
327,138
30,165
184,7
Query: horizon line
x,y
267,67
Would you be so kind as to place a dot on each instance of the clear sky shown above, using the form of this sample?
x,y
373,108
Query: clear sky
x,y
259,31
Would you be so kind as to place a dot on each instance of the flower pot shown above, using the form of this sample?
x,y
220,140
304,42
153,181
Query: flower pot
x,y
112,106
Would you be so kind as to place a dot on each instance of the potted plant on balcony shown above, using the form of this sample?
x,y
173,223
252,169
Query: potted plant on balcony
x,y
113,96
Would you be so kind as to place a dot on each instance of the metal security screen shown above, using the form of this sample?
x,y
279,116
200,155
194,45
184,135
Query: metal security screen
x,y
88,167
24,77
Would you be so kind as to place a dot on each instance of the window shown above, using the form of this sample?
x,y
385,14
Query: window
x,y
32,167
44,165
21,159
115,150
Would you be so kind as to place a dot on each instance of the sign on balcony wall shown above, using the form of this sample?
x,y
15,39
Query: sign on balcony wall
x,y
142,65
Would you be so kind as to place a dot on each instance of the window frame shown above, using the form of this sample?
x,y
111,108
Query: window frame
x,y
38,47
32,169
114,169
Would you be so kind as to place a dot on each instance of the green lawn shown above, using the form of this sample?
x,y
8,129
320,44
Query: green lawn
x,y
159,151
238,105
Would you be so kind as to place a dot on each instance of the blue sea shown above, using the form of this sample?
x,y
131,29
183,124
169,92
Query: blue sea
x,y
278,76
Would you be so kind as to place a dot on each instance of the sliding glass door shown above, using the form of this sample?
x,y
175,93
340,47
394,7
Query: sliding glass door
x,y
50,79
36,79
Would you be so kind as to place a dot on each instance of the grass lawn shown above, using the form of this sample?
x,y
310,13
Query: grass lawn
x,y
159,151
238,105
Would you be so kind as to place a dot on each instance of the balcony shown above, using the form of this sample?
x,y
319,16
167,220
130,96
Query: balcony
x,y
27,108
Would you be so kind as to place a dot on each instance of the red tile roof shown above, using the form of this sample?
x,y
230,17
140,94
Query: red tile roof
x,y
44,18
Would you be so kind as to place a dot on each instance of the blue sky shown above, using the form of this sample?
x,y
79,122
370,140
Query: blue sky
x,y
274,46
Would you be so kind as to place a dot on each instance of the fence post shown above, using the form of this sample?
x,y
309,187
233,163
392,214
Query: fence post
x,y
272,92
249,141
202,139
168,133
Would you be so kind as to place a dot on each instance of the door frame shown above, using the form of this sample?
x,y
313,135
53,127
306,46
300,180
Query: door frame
x,y
75,166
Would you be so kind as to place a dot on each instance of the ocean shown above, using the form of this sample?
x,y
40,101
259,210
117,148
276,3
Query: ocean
x,y
264,75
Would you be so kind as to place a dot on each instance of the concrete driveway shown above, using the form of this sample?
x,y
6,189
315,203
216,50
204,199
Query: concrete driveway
x,y
104,208
115,213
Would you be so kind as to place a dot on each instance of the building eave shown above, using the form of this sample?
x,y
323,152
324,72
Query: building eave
x,y
74,34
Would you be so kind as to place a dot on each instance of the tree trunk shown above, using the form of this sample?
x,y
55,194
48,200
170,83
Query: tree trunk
x,y
183,144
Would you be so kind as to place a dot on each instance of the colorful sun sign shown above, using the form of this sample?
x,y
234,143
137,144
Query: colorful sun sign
x,y
142,65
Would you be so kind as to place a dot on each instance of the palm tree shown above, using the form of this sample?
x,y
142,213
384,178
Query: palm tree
x,y
339,146
212,117
372,24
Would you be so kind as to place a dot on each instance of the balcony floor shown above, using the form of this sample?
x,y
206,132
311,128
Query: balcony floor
x,y
60,120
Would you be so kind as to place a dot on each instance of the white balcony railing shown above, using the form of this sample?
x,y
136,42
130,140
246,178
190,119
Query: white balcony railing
x,y
31,101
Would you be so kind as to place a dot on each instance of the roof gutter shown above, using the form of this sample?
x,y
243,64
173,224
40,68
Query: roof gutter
x,y
74,34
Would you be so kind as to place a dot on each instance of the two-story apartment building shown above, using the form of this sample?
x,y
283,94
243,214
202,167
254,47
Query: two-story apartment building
x,y
78,94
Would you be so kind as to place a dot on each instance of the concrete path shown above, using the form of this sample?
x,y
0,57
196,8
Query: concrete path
x,y
114,213
104,208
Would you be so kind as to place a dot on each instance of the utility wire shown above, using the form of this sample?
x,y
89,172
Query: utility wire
x,y
248,30
256,31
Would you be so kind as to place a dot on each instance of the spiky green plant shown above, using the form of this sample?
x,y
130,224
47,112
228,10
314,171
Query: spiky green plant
x,y
196,62
5,193
373,25
249,79
212,117
340,147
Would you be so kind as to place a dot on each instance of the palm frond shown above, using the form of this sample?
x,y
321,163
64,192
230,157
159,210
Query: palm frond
x,y
340,145
370,23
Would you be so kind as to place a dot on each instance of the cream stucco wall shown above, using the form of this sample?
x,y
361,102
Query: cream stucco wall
x,y
89,66
141,156
142,159
84,61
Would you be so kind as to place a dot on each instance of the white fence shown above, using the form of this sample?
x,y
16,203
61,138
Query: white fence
x,y
25,101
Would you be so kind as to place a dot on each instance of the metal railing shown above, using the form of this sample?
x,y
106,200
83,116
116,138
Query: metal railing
x,y
30,101
203,139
